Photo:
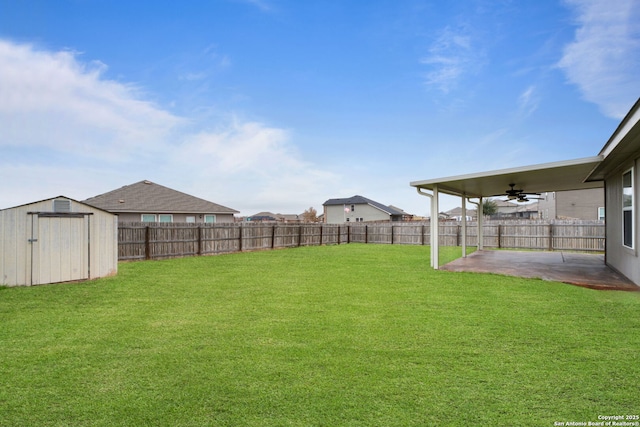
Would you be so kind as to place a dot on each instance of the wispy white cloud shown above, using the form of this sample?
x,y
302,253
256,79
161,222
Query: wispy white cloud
x,y
258,158
604,58
263,5
51,100
68,130
452,56
528,102
240,147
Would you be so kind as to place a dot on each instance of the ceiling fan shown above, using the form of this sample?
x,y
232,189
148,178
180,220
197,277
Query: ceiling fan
x,y
519,195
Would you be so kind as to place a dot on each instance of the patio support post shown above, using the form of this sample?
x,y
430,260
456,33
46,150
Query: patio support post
x,y
464,227
435,244
480,227
433,237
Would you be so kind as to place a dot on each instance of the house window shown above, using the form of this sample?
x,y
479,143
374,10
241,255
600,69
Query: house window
x,y
210,219
148,218
353,208
627,208
190,219
601,214
166,218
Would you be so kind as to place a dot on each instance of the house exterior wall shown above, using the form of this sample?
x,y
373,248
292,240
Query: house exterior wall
x,y
335,214
579,204
177,217
64,248
572,204
547,206
618,256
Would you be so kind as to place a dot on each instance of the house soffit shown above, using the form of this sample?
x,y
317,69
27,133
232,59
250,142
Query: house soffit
x,y
556,176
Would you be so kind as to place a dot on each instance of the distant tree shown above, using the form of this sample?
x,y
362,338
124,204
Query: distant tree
x,y
310,215
489,207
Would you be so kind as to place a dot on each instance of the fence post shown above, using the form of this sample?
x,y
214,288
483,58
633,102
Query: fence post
x,y
240,238
321,229
422,235
299,235
199,240
273,236
499,236
147,246
550,236
366,234
392,234
338,234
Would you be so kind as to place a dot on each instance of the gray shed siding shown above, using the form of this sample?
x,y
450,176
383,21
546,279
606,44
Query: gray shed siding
x,y
618,256
38,247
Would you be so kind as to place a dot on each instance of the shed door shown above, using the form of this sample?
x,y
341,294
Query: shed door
x,y
63,248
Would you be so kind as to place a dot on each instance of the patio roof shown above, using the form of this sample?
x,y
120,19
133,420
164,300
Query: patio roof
x,y
547,177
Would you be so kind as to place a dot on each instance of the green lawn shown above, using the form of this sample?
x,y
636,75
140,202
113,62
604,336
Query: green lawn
x,y
353,335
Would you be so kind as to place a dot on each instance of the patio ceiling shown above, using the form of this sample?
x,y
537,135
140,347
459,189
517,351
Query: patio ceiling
x,y
547,177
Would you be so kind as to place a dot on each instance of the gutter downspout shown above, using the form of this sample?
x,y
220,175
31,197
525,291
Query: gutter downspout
x,y
479,223
434,240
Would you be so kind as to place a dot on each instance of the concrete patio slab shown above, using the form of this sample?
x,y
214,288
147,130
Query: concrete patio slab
x,y
586,270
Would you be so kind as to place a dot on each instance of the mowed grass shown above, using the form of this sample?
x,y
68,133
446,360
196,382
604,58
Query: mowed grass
x,y
349,335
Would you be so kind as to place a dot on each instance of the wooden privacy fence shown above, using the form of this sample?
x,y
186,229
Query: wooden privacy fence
x,y
138,241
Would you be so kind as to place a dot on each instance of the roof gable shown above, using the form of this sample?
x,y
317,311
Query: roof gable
x,y
56,198
147,196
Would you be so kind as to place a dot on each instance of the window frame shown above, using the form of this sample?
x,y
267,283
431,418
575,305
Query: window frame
x,y
142,217
206,219
163,218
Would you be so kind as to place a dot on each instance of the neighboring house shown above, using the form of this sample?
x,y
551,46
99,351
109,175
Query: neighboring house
x,y
271,217
359,209
504,210
616,169
146,201
573,204
455,214
511,210
56,240
405,215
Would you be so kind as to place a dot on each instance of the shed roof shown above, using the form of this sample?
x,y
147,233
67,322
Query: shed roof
x,y
359,200
56,198
147,196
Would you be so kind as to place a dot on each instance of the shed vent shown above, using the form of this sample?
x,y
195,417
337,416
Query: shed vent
x,y
61,205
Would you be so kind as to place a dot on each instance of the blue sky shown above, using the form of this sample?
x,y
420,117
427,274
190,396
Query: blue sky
x,y
279,105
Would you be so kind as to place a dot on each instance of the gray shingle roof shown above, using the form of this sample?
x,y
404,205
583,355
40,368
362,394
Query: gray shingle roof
x,y
147,196
359,200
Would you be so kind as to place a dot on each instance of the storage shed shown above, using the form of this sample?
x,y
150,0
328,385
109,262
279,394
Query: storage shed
x,y
56,240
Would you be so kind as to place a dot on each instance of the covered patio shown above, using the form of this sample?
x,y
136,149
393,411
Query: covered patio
x,y
586,270
579,269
